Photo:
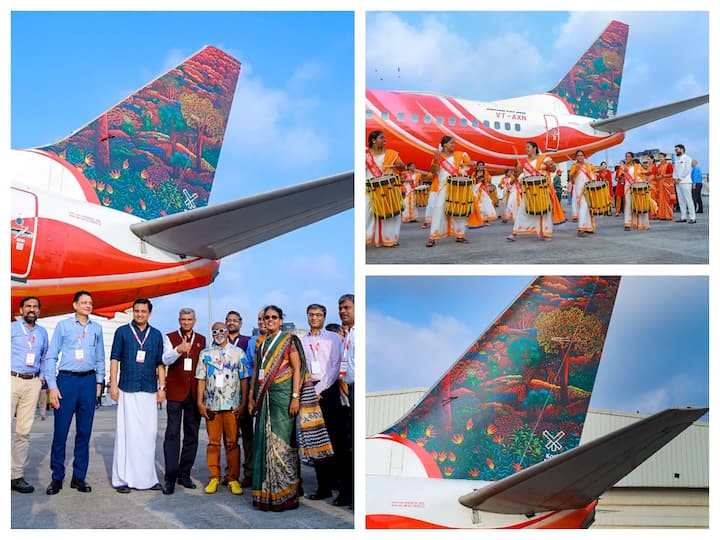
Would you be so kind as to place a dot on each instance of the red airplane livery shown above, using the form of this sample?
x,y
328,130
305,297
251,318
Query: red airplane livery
x,y
119,207
495,443
578,114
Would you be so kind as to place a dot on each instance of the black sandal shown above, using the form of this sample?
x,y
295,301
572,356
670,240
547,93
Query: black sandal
x,y
430,243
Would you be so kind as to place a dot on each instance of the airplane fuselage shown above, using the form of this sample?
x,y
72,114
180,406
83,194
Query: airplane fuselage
x,y
64,239
407,491
494,132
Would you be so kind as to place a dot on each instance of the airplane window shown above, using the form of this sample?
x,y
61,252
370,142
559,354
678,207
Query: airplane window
x,y
368,114
414,118
401,116
496,125
463,122
486,124
385,115
439,119
427,118
507,126
517,127
451,121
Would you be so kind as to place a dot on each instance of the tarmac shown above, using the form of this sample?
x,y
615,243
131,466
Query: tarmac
x,y
666,242
104,508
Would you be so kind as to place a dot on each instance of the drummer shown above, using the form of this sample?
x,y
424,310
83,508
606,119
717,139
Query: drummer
x,y
378,161
409,179
483,212
536,164
581,172
633,173
511,195
447,162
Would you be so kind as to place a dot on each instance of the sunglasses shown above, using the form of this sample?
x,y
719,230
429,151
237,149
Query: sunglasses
x,y
269,317
219,331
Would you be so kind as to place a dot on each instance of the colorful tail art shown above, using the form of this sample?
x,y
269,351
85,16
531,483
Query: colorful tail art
x,y
592,87
155,153
520,393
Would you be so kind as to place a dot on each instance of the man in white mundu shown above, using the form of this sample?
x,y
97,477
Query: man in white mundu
x,y
633,173
378,161
138,348
581,172
541,225
447,162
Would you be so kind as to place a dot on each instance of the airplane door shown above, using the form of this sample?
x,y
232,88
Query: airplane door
x,y
23,224
552,132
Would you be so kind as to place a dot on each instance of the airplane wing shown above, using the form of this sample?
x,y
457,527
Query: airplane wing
x,y
626,122
578,477
218,230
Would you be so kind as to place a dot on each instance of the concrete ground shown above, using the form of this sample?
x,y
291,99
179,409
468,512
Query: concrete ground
x,y
104,508
666,242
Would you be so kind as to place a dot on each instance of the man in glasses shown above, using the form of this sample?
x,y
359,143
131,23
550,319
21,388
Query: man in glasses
x,y
222,395
181,352
323,352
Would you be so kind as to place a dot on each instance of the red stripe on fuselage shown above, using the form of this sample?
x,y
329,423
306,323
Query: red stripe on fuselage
x,y
68,251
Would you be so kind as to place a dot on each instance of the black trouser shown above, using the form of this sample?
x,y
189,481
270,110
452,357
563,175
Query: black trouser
x,y
344,452
245,425
697,197
326,470
179,464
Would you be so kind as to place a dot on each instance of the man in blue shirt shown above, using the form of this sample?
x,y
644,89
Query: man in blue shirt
x,y
697,184
77,353
28,346
138,347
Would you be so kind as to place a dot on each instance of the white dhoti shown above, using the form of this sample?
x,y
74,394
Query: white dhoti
x,y
135,439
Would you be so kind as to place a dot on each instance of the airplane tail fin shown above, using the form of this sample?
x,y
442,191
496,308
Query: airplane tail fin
x,y
155,153
520,393
592,86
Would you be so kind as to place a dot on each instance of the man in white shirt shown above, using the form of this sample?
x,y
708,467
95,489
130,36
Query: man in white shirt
x,y
683,184
323,353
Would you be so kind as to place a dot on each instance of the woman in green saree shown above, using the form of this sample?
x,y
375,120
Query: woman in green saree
x,y
280,391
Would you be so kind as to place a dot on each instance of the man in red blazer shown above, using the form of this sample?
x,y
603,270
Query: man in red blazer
x,y
181,353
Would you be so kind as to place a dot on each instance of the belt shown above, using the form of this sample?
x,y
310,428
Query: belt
x,y
76,373
26,376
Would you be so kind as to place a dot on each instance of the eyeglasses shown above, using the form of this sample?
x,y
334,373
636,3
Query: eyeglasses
x,y
269,317
315,315
233,320
219,331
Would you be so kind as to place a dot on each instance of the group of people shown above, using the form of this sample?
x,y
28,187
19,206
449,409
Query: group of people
x,y
283,396
460,193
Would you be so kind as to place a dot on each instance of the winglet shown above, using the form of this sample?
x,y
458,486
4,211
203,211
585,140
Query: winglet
x,y
155,152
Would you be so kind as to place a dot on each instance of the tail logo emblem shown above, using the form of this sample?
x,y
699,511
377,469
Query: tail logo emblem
x,y
190,199
553,444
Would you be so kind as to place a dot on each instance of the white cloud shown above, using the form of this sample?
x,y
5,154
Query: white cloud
x,y
400,355
274,125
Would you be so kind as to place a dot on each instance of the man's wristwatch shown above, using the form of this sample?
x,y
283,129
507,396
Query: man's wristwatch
x,y
162,388
295,395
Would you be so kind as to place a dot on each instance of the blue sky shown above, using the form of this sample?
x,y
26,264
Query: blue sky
x,y
655,356
292,121
488,56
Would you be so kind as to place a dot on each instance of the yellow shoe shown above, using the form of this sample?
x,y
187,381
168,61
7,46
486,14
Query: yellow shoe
x,y
235,487
212,486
